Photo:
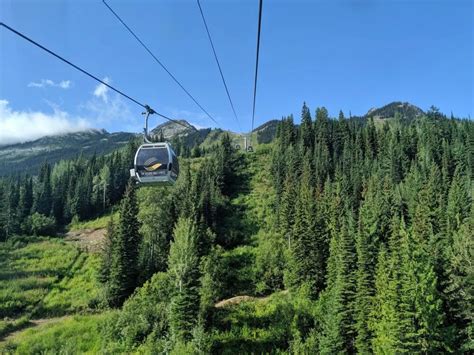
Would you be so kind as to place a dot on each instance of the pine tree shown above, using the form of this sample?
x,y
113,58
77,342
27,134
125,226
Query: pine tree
x,y
157,220
306,129
286,212
3,213
26,198
338,323
106,253
460,285
124,271
12,225
183,267
43,197
421,316
384,321
305,254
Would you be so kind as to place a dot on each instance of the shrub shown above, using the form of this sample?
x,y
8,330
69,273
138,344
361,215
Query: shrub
x,y
40,224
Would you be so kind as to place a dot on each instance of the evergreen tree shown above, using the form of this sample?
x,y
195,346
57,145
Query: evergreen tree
x,y
124,271
421,315
183,267
43,197
26,198
460,286
3,213
338,323
384,313
107,253
306,129
305,252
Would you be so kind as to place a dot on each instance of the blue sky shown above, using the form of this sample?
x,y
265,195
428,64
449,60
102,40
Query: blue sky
x,y
348,54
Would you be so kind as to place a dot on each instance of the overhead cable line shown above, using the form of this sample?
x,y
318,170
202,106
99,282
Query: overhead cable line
x,y
146,107
159,62
218,64
256,62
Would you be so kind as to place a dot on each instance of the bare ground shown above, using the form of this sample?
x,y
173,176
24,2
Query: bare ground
x,y
33,323
239,299
89,240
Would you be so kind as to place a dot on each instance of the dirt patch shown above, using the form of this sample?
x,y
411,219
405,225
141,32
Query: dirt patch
x,y
31,324
44,321
234,300
89,240
239,299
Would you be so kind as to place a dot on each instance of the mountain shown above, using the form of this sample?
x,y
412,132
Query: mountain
x,y
171,129
29,156
266,132
404,109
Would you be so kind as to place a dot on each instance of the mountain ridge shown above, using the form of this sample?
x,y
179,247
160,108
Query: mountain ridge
x,y
30,155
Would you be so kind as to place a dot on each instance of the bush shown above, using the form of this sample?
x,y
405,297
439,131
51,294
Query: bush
x,y
40,224
144,314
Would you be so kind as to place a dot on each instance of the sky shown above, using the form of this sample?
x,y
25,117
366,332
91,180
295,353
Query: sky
x,y
348,55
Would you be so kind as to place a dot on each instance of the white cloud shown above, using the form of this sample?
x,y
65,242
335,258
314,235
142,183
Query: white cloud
x,y
101,90
103,109
22,126
64,84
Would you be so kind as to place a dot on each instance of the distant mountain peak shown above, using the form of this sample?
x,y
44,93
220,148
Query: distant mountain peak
x,y
171,129
405,109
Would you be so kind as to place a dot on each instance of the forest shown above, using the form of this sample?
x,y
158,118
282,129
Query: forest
x,y
340,235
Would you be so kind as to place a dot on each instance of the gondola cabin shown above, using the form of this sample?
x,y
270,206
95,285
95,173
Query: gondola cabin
x,y
155,163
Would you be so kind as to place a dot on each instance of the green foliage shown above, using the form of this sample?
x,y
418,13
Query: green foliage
x,y
78,290
124,251
39,224
98,223
144,317
71,335
367,223
184,273
45,277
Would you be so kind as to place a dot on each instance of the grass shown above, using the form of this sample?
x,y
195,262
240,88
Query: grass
x,y
98,223
78,291
29,271
8,326
72,335
260,326
44,276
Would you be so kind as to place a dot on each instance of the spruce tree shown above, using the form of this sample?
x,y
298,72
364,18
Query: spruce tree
x,y
106,254
183,268
306,129
43,197
384,312
124,271
338,323
460,286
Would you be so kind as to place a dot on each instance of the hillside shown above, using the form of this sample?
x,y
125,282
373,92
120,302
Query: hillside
x,y
404,110
28,156
246,254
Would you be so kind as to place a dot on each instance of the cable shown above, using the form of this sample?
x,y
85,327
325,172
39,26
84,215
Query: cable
x,y
218,64
146,107
159,62
256,63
